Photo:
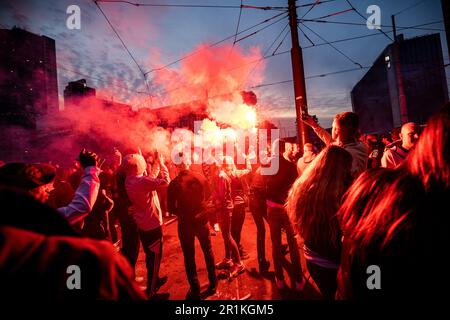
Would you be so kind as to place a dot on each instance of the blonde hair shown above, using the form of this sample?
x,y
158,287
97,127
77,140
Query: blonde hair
x,y
315,196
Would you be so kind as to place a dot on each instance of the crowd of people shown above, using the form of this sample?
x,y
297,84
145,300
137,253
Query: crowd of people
x,y
360,201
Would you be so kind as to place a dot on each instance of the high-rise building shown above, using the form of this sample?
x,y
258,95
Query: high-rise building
x,y
28,78
375,98
446,12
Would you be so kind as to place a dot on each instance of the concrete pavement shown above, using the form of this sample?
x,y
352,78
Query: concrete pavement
x,y
249,285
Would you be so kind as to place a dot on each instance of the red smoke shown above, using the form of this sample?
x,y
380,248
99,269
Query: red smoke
x,y
210,80
211,73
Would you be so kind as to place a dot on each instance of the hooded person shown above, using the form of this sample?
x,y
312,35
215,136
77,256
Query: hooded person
x,y
146,211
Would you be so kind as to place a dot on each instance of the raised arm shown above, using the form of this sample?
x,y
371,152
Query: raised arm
x,y
151,183
319,131
87,191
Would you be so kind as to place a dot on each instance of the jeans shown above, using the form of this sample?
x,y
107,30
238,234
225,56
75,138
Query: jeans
x,y
278,219
130,237
237,222
187,232
258,209
231,248
152,244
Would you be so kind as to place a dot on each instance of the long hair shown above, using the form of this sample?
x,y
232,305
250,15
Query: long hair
x,y
370,210
315,196
383,202
430,159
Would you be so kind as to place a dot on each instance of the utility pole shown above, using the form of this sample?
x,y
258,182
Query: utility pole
x,y
398,72
301,106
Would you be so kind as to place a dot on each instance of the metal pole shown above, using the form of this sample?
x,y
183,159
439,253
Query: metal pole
x,y
398,72
298,76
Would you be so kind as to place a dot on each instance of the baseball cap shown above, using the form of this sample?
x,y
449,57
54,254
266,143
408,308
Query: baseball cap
x,y
26,176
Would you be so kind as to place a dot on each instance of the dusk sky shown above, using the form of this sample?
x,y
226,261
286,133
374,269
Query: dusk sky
x,y
159,35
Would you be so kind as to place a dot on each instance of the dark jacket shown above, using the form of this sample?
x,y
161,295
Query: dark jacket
x,y
187,195
278,185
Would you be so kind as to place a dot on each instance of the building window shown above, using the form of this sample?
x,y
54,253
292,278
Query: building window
x,y
387,60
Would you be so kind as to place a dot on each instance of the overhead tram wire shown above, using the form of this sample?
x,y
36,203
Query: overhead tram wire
x,y
306,36
137,4
280,44
214,44
59,66
125,46
234,68
370,35
270,84
323,75
333,46
274,54
364,36
240,66
208,6
220,41
259,30
238,24
268,49
363,24
365,19
314,3
166,5
332,14
328,15
410,7
280,82
236,32
310,8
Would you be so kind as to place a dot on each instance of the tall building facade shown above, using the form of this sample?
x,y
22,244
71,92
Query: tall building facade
x,y
375,98
28,77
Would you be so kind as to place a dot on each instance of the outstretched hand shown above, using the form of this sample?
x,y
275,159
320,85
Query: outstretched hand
x,y
309,120
88,158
